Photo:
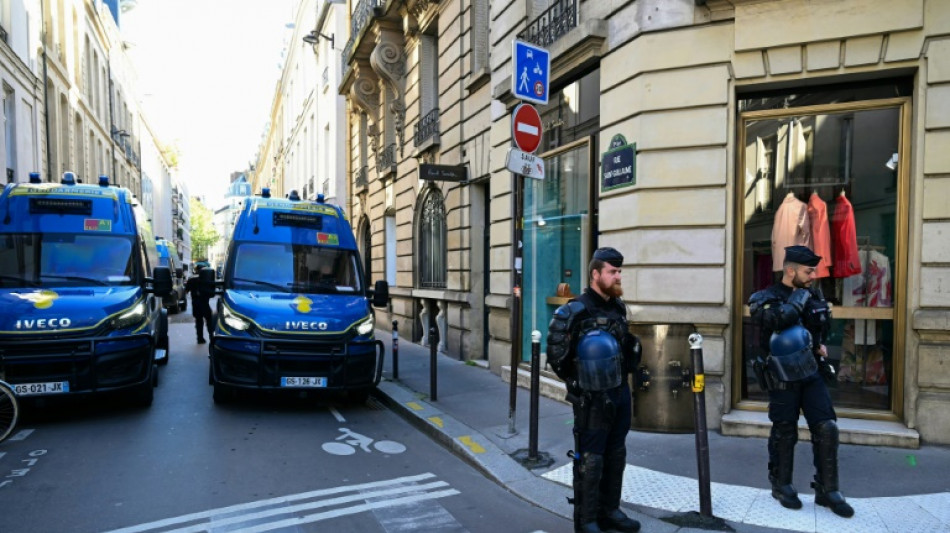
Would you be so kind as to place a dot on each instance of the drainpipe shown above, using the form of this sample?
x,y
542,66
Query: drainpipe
x,y
45,91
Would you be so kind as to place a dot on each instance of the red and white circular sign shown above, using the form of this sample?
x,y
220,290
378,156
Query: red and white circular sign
x,y
526,128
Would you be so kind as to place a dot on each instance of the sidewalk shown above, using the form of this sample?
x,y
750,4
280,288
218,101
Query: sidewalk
x,y
891,489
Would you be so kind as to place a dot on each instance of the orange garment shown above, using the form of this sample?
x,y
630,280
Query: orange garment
x,y
846,261
820,233
791,227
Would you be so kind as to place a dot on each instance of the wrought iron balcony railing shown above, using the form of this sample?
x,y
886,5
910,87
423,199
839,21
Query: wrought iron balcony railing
x,y
361,179
427,127
386,159
358,20
551,25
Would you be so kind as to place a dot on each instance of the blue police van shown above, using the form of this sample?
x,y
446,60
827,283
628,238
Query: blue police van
x,y
177,301
80,289
295,312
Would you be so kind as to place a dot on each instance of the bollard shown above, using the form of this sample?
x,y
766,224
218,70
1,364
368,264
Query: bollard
x,y
433,348
535,392
395,349
699,411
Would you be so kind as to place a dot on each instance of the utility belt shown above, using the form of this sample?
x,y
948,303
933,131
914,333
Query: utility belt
x,y
784,373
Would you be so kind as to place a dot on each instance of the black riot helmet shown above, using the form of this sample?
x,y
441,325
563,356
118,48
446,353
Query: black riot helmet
x,y
792,357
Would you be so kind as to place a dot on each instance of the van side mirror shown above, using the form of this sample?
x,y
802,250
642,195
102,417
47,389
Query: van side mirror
x,y
161,281
381,294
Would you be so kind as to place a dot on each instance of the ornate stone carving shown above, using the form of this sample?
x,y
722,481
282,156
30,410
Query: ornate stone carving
x,y
365,90
389,62
420,7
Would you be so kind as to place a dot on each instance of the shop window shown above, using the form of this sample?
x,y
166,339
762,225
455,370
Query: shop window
x,y
823,176
431,239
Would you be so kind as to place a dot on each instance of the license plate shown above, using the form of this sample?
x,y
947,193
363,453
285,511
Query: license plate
x,y
53,387
303,382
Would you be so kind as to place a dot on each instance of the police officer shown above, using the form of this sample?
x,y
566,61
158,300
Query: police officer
x,y
200,301
590,347
794,318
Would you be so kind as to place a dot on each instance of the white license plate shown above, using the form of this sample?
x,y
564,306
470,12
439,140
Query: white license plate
x,y
303,382
53,387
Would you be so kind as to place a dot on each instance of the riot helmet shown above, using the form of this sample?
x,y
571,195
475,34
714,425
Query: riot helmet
x,y
792,354
598,361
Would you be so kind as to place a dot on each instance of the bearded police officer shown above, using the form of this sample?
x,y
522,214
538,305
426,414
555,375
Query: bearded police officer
x,y
793,319
590,347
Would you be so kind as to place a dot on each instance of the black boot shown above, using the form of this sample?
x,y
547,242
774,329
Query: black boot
x,y
587,474
609,515
824,438
782,441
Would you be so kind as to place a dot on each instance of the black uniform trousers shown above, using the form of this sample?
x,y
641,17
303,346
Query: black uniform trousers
x,y
809,396
204,317
602,426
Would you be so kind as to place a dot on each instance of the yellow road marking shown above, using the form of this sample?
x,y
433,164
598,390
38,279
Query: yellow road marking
x,y
415,406
437,421
472,445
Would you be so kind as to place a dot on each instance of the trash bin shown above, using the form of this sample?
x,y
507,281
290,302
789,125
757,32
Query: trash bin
x,y
662,396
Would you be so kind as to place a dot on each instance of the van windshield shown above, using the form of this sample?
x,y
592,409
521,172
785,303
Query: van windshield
x,y
64,260
294,268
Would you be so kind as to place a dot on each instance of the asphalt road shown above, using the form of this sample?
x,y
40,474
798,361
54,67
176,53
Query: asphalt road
x,y
260,464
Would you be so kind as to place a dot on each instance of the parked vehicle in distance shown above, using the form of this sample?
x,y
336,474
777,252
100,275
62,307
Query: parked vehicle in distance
x,y
294,312
168,257
80,286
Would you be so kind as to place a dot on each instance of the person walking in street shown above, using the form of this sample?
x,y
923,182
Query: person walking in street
x,y
200,302
793,320
590,347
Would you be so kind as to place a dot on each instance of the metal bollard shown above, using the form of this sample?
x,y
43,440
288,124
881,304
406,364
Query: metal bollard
x,y
433,348
395,349
535,392
699,411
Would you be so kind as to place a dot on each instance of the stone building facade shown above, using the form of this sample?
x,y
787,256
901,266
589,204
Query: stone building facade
x,y
732,109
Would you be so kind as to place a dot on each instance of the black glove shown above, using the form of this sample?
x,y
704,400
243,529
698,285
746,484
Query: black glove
x,y
827,371
799,298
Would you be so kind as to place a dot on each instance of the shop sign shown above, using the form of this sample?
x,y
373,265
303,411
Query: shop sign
x,y
528,165
456,173
618,165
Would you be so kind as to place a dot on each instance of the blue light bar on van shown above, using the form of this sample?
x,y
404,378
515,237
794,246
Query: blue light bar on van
x,y
103,181
265,192
306,220
69,178
34,177
60,206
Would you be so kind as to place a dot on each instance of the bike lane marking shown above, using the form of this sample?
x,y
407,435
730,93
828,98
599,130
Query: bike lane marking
x,y
336,414
263,509
21,435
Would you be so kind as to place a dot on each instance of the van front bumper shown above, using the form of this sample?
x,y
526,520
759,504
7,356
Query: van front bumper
x,y
261,363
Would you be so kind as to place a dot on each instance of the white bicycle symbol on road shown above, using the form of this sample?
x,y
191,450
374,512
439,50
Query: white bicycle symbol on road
x,y
352,440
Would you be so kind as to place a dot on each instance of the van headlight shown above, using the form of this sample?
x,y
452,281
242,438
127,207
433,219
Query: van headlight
x,y
129,318
233,320
366,326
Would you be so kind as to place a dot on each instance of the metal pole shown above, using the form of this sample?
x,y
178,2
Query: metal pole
x,y
699,412
433,347
395,349
515,302
535,391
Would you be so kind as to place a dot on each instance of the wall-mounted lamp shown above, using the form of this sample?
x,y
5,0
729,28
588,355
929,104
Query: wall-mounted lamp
x,y
119,133
313,38
892,162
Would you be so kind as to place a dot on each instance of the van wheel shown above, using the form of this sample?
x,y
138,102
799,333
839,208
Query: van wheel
x,y
357,396
143,395
223,394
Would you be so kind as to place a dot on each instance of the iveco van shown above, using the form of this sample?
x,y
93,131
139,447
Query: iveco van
x,y
295,311
80,289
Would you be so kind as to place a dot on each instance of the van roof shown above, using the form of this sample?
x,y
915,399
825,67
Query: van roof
x,y
76,208
294,221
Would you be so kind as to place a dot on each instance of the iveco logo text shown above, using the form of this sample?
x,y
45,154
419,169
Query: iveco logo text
x,y
293,324
43,323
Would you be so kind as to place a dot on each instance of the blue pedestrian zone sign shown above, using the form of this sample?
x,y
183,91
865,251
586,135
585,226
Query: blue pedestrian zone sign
x,y
532,72
618,165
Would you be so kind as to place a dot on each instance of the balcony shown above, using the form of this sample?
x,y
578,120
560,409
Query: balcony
x,y
427,128
551,25
361,179
358,20
386,160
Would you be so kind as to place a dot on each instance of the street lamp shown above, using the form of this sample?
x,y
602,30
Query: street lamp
x,y
313,38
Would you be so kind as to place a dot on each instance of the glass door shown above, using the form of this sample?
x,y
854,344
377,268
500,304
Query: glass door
x,y
828,177
556,237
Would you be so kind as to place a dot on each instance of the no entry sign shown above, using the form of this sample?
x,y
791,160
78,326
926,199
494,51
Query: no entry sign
x,y
526,128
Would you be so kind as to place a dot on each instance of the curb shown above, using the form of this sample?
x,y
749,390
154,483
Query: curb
x,y
475,449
